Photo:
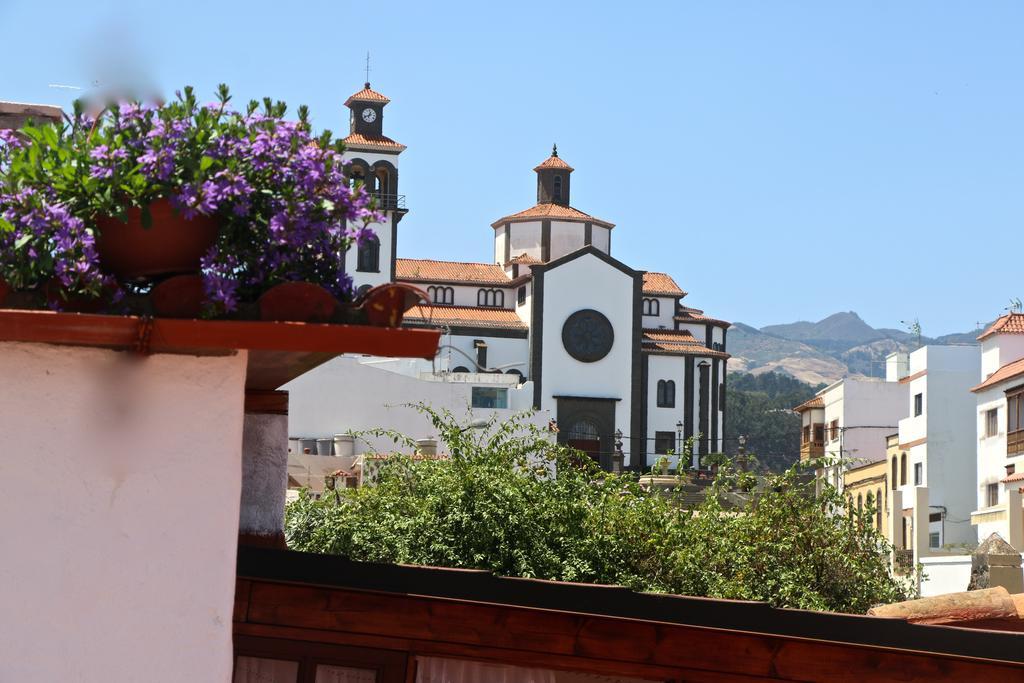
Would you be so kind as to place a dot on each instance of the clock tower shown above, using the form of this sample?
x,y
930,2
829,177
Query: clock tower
x,y
366,111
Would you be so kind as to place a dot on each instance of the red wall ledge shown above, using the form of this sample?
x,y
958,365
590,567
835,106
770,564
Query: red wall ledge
x,y
279,351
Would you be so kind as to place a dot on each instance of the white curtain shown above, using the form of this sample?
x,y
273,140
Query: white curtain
x,y
344,674
437,670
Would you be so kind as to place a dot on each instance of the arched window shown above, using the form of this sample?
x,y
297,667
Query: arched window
x,y
894,473
666,393
513,371
368,256
494,298
460,368
583,430
860,504
651,307
441,295
556,195
870,502
903,469
878,509
356,175
363,290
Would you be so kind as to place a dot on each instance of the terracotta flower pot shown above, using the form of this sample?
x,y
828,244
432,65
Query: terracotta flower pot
x,y
298,302
385,305
181,296
5,289
74,303
171,245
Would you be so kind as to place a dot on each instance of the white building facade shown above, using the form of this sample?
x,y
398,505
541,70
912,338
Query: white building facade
x,y
999,400
608,351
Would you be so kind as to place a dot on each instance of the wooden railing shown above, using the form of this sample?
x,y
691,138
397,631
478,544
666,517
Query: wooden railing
x,y
812,449
1015,443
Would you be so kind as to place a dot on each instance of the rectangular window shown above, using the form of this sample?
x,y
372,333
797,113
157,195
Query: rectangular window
x,y
992,422
819,434
935,517
664,442
521,295
933,539
918,404
489,397
833,430
992,495
918,474
807,434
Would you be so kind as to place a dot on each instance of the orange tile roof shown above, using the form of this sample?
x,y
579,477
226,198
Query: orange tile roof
x,y
366,95
1007,372
677,342
525,259
556,211
358,140
701,318
554,161
1011,323
816,402
469,316
1016,476
660,283
456,272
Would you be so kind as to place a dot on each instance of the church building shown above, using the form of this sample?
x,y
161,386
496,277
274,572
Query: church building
x,y
611,352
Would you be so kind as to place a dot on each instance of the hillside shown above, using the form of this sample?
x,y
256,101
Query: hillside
x,y
838,346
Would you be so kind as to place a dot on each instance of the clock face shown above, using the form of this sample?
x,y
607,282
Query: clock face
x,y
369,115
587,336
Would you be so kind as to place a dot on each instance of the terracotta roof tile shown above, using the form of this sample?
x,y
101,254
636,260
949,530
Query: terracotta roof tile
x,y
470,316
701,318
816,402
1011,323
366,95
677,342
525,259
457,272
554,161
1007,372
548,210
358,141
1016,476
660,283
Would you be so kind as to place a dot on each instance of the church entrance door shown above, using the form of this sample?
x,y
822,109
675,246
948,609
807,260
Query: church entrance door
x,y
588,425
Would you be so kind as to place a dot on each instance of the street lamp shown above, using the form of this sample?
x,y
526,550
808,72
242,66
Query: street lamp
x,y
679,446
742,452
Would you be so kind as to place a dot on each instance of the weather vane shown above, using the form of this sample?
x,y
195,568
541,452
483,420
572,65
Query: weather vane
x,y
367,68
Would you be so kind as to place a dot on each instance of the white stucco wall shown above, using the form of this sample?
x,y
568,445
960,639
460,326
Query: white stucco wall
x,y
360,278
666,312
345,394
945,574
119,494
1000,349
566,238
664,419
582,283
601,238
949,426
504,353
525,239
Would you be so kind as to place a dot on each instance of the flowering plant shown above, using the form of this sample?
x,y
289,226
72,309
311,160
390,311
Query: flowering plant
x,y
284,202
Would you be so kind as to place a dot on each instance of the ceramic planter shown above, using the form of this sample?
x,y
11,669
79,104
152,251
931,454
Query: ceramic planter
x,y
344,445
181,296
385,305
323,446
5,289
172,244
298,302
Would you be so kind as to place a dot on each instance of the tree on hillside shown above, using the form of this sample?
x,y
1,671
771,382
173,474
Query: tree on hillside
x,y
495,504
760,408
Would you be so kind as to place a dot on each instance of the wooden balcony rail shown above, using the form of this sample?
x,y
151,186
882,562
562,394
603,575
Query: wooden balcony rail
x,y
1015,443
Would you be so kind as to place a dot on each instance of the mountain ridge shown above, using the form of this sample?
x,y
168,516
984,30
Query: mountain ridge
x,y
839,345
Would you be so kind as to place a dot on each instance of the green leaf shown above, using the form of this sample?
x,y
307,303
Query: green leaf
x,y
22,241
206,163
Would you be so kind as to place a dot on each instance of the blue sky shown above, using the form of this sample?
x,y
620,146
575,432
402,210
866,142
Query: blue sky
x,y
783,160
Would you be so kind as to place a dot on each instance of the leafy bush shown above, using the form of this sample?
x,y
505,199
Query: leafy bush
x,y
495,505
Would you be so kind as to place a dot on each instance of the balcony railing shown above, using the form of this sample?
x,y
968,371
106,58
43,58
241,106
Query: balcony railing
x,y
1015,443
812,449
388,202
